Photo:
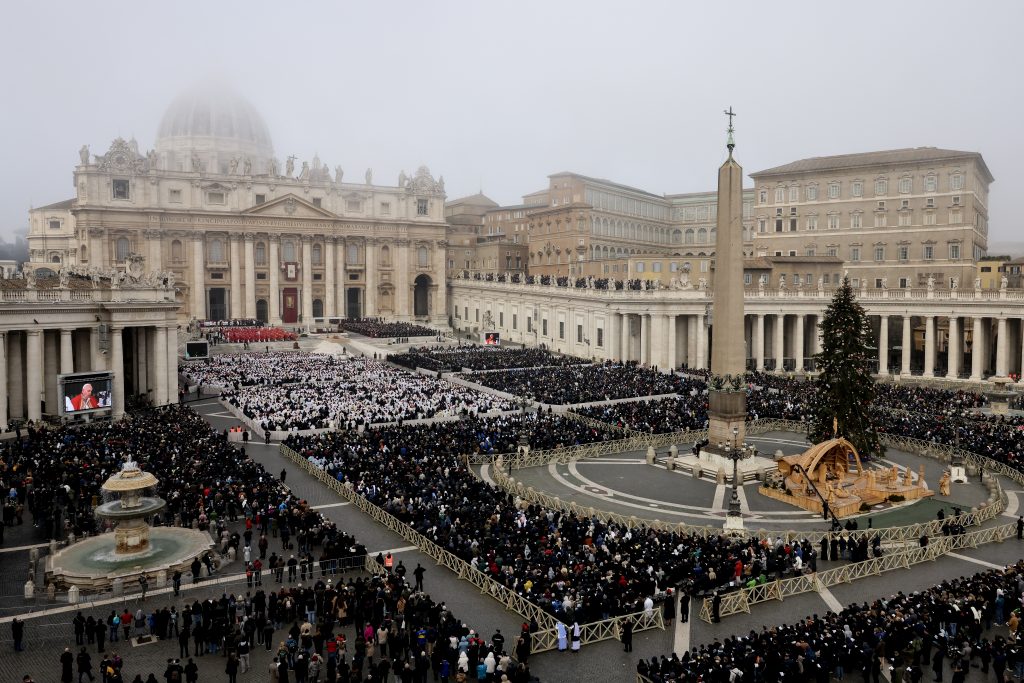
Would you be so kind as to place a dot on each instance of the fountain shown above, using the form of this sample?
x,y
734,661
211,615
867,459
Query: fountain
x,y
137,549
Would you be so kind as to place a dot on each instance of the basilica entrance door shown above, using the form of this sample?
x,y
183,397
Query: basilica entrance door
x,y
290,305
354,303
218,307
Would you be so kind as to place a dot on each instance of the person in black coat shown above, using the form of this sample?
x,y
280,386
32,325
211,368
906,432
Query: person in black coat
x,y
66,661
684,606
627,635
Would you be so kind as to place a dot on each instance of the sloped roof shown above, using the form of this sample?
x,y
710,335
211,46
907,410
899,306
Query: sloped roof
x,y
66,204
863,159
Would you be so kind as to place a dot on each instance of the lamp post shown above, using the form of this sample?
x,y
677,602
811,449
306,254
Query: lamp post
x,y
735,452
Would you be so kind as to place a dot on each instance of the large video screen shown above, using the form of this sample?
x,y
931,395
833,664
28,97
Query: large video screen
x,y
492,339
197,349
85,392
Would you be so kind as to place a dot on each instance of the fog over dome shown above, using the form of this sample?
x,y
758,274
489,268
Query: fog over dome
x,y
219,125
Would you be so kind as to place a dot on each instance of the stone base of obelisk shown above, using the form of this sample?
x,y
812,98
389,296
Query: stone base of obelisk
x,y
733,523
727,410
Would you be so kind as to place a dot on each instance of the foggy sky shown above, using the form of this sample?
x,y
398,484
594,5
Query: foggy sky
x,y
497,96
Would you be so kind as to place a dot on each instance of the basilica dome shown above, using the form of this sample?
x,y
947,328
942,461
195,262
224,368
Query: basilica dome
x,y
218,125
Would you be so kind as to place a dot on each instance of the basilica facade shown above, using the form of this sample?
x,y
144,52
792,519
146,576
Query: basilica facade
x,y
245,235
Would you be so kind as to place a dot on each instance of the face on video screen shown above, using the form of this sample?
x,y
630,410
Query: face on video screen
x,y
86,395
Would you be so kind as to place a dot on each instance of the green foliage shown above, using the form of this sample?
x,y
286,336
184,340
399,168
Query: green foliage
x,y
845,389
864,507
896,498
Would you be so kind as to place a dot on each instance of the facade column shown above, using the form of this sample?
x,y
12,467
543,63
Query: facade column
x,y
929,346
34,371
954,349
440,282
250,276
645,339
1002,349
51,368
67,358
274,300
141,360
16,380
624,338
307,281
330,304
370,298
402,308
798,343
99,362
159,361
759,342
977,353
905,356
172,363
235,268
883,345
670,357
611,336
3,381
340,298
198,278
154,240
117,367
779,350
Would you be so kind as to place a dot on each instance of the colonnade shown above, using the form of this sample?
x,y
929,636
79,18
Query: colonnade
x,y
142,359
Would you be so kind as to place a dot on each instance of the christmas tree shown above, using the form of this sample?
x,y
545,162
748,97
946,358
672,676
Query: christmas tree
x,y
845,389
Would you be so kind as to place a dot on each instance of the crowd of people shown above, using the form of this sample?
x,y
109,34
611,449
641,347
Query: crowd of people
x,y
949,625
635,284
378,328
584,383
283,391
660,416
481,358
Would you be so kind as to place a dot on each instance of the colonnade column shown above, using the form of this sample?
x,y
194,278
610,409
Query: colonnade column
x,y
759,342
34,372
274,311
883,345
798,343
330,303
645,339
235,268
670,330
341,303
117,367
402,307
440,300
16,385
977,354
702,344
1002,349
624,335
172,363
953,349
67,358
929,346
160,395
198,277
3,381
612,336
250,275
905,355
780,341
141,360
307,280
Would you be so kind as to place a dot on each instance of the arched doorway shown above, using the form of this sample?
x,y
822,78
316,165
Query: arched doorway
x,y
318,308
262,313
421,297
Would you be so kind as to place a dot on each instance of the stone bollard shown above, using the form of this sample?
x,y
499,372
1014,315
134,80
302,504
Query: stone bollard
x,y
670,463
721,475
779,455
30,589
697,471
117,586
33,555
650,455
51,591
231,554
73,595
673,451
161,578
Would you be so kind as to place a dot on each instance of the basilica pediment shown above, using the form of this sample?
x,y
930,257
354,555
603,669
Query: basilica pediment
x,y
289,206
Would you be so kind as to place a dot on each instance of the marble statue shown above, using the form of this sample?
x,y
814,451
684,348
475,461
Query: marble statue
x,y
908,478
304,173
83,154
247,166
233,166
273,168
440,184
821,283
782,282
402,178
197,164
955,284
289,167
338,174
885,283
151,160
931,283
65,277
944,484
977,283
369,176
702,284
1003,282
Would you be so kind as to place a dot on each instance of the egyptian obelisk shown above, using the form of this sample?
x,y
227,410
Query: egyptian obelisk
x,y
728,403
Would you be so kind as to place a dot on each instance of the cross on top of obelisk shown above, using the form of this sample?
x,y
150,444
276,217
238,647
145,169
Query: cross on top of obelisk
x,y
730,142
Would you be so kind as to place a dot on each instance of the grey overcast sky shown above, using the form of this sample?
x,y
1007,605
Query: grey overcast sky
x,y
497,95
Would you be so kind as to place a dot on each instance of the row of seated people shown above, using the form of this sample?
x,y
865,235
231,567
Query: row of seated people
x,y
377,328
480,358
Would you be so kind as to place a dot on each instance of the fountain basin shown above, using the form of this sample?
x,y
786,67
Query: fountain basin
x,y
147,506
94,563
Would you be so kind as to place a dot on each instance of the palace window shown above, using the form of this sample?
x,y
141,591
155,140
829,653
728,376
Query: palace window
x,y
353,205
176,251
833,221
215,251
855,253
833,190
906,218
288,250
122,248
352,254
903,252
54,224
855,220
422,257
794,193
385,208
956,182
318,202
930,183
812,192
929,252
121,188
954,252
261,254
318,255
780,195
879,253
261,199
906,185
421,207
858,189
762,197
881,186
215,197
174,196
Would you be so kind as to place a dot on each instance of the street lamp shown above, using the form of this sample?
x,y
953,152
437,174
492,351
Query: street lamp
x,y
735,452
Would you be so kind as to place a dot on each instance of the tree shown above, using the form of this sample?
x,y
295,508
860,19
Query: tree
x,y
845,389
